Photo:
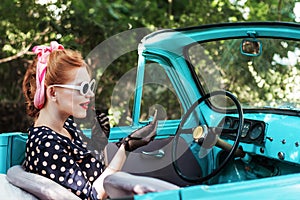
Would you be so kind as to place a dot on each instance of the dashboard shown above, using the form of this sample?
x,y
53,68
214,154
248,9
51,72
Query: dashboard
x,y
253,131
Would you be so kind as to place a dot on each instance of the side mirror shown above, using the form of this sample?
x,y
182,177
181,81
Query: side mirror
x,y
251,47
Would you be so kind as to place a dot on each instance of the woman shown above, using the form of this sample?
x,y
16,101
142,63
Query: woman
x,y
57,87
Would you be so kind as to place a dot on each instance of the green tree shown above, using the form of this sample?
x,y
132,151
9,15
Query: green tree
x,y
82,25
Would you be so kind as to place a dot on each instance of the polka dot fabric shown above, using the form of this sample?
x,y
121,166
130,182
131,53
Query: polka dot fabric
x,y
65,161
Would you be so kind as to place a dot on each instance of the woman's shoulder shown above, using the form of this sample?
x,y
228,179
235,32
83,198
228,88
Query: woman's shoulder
x,y
39,131
43,134
70,123
73,128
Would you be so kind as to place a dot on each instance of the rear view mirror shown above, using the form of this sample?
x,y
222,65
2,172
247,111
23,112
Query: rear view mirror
x,y
251,47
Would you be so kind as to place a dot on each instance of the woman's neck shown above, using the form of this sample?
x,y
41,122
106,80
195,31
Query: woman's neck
x,y
53,121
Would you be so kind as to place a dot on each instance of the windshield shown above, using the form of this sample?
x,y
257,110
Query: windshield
x,y
270,79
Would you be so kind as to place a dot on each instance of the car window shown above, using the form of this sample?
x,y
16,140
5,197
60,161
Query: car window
x,y
159,94
268,80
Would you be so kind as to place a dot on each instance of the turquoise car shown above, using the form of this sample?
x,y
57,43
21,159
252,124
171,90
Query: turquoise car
x,y
227,98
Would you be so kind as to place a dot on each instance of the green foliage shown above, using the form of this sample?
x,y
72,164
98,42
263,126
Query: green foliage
x,y
82,25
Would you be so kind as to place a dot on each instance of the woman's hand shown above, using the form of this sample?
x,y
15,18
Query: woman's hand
x,y
103,121
141,136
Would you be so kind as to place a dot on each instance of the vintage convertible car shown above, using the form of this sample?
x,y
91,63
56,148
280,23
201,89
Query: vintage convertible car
x,y
228,102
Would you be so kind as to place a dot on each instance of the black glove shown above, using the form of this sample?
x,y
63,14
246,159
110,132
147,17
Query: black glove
x,y
140,137
100,132
103,121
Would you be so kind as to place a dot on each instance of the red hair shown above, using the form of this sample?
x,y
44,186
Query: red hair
x,y
58,67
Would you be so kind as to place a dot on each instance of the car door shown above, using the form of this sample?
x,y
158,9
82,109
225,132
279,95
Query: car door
x,y
155,91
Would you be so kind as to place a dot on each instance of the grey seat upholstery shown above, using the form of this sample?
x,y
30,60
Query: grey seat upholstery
x,y
37,185
122,184
118,185
11,192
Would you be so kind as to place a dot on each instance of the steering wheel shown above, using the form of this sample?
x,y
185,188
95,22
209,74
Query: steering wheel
x,y
208,137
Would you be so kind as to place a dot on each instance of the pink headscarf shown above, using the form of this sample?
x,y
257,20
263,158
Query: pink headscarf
x,y
41,68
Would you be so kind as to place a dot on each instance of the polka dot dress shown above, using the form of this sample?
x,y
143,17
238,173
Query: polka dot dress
x,y
65,161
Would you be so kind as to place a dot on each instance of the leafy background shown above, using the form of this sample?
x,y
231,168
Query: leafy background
x,y
81,25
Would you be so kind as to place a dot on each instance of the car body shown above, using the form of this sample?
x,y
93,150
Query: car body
x,y
242,140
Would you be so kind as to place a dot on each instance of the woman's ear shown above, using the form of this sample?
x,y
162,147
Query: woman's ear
x,y
51,93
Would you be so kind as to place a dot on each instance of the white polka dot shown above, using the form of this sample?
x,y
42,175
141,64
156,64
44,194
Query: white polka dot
x,y
35,130
53,166
91,179
79,173
67,123
70,181
30,144
79,183
64,159
44,172
93,160
74,124
87,165
71,161
56,147
32,153
84,191
71,171
62,169
55,157
75,151
45,163
30,167
61,179
78,192
47,144
95,173
50,137
46,154
52,176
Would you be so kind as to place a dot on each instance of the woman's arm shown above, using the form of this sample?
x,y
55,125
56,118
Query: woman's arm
x,y
115,165
135,140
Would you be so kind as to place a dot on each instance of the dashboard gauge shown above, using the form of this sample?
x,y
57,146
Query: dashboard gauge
x,y
245,129
256,131
228,123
